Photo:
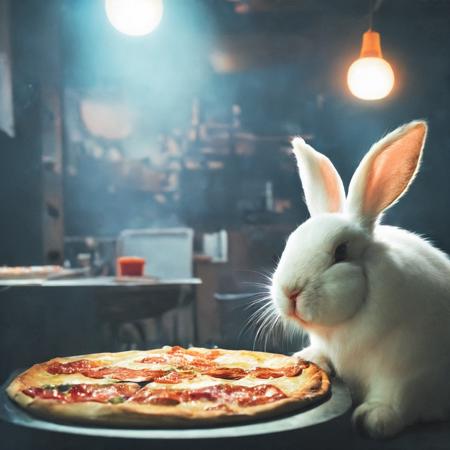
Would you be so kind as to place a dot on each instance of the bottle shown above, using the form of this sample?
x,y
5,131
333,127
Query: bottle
x,y
269,196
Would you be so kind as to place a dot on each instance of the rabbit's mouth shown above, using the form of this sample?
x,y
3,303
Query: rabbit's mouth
x,y
294,297
295,316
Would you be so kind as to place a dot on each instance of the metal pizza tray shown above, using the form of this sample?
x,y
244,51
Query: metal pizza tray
x,y
335,405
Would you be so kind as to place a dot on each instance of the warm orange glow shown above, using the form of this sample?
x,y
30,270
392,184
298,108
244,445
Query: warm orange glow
x,y
371,45
370,77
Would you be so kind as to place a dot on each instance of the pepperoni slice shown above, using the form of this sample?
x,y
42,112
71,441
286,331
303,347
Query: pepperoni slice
x,y
297,369
196,358
202,364
236,373
185,359
94,369
287,371
260,395
180,361
154,360
168,397
73,366
50,393
175,377
265,373
224,393
101,393
226,373
124,374
176,349
210,354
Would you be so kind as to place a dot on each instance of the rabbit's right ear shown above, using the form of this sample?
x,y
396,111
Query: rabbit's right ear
x,y
385,173
322,185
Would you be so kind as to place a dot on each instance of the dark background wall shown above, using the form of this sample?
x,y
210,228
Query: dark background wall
x,y
34,56
287,64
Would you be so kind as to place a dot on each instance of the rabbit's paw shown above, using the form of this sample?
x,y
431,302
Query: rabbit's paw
x,y
377,420
317,357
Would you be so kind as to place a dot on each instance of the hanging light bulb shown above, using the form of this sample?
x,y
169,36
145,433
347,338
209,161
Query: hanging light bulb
x,y
134,17
370,77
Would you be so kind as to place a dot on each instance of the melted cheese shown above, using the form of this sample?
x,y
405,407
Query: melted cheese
x,y
250,361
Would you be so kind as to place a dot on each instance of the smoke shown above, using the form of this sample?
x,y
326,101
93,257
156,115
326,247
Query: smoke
x,y
286,73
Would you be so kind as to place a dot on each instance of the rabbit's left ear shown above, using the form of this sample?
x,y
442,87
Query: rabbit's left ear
x,y
322,185
385,173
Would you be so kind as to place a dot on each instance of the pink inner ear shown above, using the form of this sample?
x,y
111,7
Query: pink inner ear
x,y
330,181
392,170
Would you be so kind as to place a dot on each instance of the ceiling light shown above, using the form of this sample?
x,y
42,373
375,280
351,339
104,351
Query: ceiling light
x,y
370,77
134,17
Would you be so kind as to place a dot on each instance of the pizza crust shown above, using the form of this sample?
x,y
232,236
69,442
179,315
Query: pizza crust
x,y
29,272
311,386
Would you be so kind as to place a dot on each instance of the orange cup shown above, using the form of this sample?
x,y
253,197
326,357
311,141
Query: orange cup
x,y
130,266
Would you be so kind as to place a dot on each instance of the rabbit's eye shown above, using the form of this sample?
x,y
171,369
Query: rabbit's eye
x,y
340,254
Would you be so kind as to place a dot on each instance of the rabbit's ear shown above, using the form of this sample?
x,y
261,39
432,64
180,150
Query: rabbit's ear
x,y
386,172
322,185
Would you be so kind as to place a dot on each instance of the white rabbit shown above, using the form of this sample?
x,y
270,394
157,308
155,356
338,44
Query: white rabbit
x,y
374,299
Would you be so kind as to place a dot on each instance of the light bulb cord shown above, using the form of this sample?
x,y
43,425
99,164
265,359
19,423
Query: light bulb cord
x,y
370,15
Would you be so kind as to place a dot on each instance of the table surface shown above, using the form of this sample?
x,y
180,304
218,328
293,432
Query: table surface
x,y
99,282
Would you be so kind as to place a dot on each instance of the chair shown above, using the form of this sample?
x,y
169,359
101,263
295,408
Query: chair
x,y
169,254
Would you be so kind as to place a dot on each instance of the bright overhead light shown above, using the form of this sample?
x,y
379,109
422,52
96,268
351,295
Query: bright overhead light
x,y
134,17
370,77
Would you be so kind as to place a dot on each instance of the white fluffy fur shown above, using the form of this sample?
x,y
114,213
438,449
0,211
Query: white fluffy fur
x,y
322,184
395,140
380,319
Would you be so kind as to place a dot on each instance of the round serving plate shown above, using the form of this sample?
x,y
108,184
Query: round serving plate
x,y
337,404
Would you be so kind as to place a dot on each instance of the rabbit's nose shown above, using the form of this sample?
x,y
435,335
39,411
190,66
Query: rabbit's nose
x,y
292,295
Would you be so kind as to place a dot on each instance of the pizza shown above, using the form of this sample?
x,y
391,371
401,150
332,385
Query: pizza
x,y
29,272
170,386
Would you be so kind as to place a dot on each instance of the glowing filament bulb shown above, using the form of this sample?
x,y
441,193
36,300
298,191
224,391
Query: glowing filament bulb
x,y
370,77
134,17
